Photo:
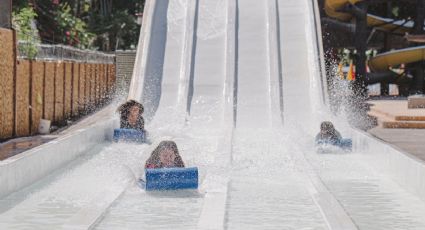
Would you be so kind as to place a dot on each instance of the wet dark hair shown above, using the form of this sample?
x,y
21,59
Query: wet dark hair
x,y
327,125
125,107
154,158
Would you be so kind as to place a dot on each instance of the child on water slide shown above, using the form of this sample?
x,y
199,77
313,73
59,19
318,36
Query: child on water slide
x,y
328,134
131,115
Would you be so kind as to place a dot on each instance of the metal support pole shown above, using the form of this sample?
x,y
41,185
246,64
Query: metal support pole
x,y
361,46
417,85
385,87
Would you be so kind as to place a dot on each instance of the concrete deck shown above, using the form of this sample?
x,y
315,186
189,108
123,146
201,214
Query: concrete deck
x,y
18,145
408,140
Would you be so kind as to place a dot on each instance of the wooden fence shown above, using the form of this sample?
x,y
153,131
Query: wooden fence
x,y
52,90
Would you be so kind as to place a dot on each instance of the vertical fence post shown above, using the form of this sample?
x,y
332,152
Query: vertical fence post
x,y
37,91
30,108
82,91
49,91
22,91
7,76
15,70
68,81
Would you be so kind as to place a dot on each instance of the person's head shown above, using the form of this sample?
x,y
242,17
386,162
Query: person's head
x,y
131,110
326,127
166,155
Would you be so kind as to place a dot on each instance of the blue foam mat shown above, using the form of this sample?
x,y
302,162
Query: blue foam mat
x,y
129,135
344,143
170,179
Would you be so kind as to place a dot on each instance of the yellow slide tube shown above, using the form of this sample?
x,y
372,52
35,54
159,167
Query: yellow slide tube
x,y
381,62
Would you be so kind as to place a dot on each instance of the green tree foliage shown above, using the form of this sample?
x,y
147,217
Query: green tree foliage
x,y
73,28
114,22
23,22
94,24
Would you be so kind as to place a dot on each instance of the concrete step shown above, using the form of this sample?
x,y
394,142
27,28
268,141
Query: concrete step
x,y
386,121
396,110
398,117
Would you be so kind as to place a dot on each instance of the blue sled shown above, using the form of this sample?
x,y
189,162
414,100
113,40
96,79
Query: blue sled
x,y
344,143
129,135
170,179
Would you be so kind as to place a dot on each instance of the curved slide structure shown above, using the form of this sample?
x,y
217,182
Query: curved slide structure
x,y
383,61
333,9
237,85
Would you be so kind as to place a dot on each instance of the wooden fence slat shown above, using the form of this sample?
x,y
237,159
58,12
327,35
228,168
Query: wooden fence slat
x,y
7,61
22,113
109,79
102,85
37,95
68,89
75,88
59,92
105,67
97,84
106,82
113,78
82,92
49,88
88,86
93,87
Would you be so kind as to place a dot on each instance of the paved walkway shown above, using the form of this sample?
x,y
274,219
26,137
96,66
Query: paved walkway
x,y
409,140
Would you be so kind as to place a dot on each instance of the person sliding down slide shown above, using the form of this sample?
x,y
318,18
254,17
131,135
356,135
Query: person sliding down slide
x,y
131,115
328,135
132,124
165,170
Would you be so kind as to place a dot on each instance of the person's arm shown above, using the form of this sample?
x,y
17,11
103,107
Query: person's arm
x,y
179,162
141,124
122,123
338,135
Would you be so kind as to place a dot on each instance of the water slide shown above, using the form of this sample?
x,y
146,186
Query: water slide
x,y
238,85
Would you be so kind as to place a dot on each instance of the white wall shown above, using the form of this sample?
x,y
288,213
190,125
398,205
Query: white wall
x,y
403,168
26,168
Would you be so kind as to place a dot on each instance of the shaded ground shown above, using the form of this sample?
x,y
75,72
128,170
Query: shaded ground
x,y
15,146
19,145
408,140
